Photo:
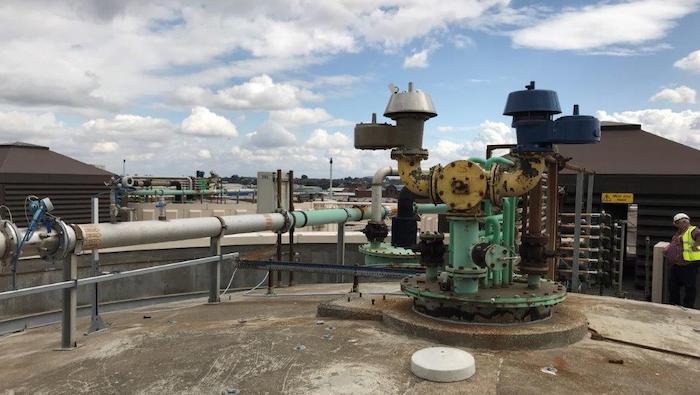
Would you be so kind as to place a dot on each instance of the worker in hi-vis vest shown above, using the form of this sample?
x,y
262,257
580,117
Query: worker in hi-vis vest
x,y
683,255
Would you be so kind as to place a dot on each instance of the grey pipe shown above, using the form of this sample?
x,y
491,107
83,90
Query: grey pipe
x,y
377,183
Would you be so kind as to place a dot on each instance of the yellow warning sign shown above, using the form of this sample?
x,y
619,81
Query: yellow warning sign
x,y
617,197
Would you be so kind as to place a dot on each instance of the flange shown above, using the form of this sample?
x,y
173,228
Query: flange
x,y
461,184
513,304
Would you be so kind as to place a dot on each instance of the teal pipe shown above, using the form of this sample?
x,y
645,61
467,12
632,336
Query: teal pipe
x,y
301,219
499,160
429,208
480,161
464,234
493,227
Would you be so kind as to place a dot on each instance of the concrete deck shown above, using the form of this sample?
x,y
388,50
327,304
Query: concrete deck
x,y
252,344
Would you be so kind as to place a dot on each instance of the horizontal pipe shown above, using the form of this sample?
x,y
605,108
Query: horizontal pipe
x,y
429,208
333,216
175,192
361,271
122,234
107,235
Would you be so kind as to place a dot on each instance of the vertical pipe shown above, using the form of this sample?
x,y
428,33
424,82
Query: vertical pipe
x,y
623,247
534,227
552,217
589,193
340,252
70,303
577,231
534,201
508,235
290,204
279,234
215,270
96,322
647,253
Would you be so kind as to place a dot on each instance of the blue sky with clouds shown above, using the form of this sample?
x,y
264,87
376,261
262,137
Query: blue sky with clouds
x,y
244,86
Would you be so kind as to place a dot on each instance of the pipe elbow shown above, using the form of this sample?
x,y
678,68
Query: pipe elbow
x,y
382,173
415,179
516,180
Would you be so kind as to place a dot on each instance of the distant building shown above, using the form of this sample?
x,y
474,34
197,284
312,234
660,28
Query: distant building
x,y
662,176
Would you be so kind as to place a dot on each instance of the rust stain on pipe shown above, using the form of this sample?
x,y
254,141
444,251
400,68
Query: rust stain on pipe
x,y
90,235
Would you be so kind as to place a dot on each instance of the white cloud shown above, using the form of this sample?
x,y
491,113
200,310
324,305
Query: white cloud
x,y
680,126
271,134
450,129
300,116
489,132
140,157
259,93
417,60
594,27
17,123
690,62
681,94
320,138
446,149
128,126
106,55
105,147
462,41
204,154
203,122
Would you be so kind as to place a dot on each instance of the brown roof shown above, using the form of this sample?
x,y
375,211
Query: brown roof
x,y
23,162
627,149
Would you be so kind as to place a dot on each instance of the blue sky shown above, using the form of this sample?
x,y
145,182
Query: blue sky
x,y
243,86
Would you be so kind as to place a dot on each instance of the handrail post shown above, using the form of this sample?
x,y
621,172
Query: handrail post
x,y
340,252
96,322
215,270
70,303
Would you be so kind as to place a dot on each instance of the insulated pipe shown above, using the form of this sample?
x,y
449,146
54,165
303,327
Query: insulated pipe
x,y
161,180
332,216
106,235
175,192
377,182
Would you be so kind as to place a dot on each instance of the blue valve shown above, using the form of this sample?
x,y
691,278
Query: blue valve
x,y
533,110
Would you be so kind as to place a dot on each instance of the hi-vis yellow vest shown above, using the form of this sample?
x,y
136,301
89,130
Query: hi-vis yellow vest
x,y
690,251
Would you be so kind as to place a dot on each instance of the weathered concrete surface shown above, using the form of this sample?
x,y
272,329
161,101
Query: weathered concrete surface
x,y
566,326
249,343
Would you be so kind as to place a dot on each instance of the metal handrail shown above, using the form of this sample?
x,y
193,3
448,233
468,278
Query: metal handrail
x,y
114,276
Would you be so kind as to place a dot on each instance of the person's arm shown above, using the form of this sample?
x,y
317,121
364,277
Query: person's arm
x,y
696,237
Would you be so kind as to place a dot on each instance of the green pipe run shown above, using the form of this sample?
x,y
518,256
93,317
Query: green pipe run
x,y
301,219
176,192
429,208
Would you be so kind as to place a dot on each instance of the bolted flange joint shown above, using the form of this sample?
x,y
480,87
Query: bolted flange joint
x,y
376,232
533,254
432,249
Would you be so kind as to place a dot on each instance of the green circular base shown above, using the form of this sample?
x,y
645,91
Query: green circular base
x,y
511,304
386,255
